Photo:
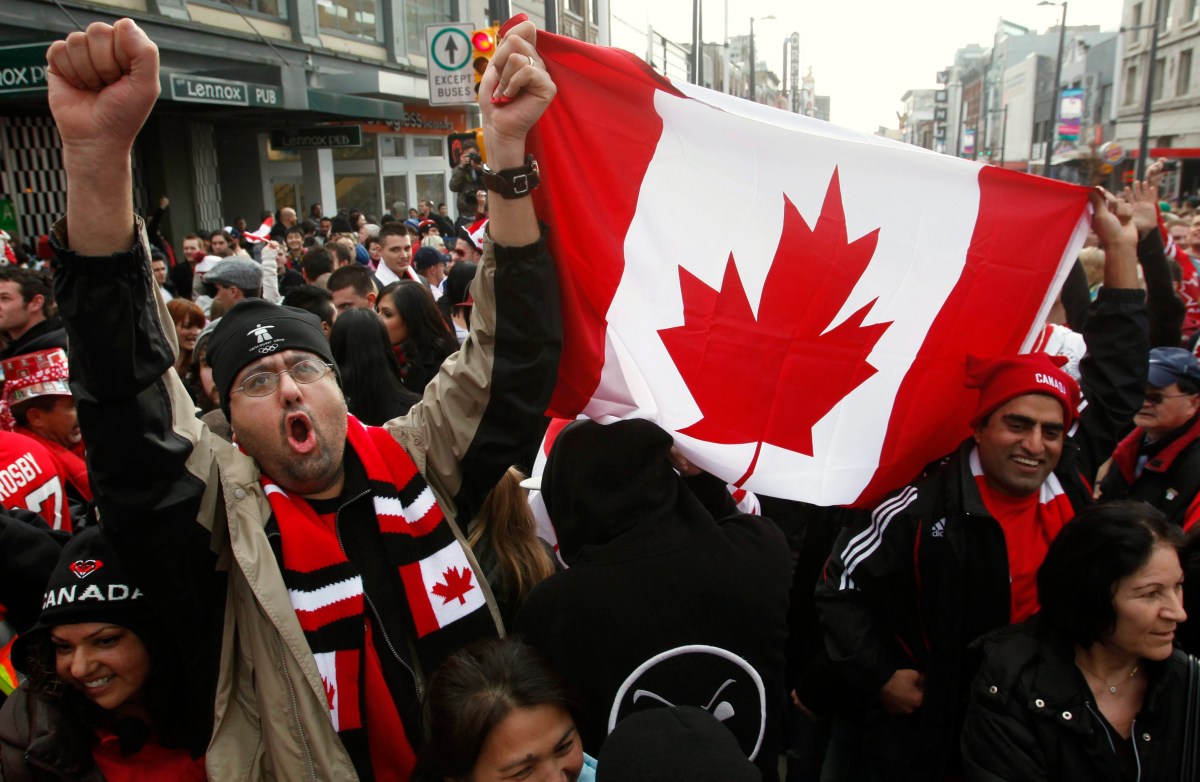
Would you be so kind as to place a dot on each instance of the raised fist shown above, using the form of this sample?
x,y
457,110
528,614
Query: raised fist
x,y
102,84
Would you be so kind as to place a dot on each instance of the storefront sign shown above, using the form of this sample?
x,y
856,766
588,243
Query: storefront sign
x,y
23,68
202,89
330,137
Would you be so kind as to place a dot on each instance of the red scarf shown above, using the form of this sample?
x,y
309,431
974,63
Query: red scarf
x,y
446,606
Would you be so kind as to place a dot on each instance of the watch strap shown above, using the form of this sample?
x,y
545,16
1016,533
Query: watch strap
x,y
513,182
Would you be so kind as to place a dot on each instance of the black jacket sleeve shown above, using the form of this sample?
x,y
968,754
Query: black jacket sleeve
x,y
1076,297
121,359
1113,373
1164,308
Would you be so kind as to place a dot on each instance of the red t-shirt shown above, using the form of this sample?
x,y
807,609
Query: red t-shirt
x,y
152,763
1029,523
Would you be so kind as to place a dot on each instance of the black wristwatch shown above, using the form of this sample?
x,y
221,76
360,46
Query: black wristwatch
x,y
513,182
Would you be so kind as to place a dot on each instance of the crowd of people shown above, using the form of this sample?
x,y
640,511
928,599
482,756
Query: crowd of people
x,y
266,513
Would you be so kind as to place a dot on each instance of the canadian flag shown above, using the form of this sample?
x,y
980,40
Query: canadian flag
x,y
262,234
792,300
441,589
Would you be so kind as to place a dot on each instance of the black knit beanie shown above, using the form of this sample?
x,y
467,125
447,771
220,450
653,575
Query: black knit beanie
x,y
87,585
255,328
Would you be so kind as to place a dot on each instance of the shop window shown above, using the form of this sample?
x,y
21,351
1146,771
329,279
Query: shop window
x,y
395,195
428,146
418,13
358,18
431,186
365,152
287,195
276,8
1130,85
358,192
391,146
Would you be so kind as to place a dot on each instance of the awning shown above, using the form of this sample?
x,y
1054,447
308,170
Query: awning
x,y
354,106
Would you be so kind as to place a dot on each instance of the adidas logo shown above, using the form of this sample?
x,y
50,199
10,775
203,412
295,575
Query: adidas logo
x,y
939,529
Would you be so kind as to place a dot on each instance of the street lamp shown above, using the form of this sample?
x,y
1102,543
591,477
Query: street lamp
x,y
1050,126
753,91
1003,112
1144,144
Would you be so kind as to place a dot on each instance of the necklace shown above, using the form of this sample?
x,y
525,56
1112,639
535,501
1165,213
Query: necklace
x,y
1111,687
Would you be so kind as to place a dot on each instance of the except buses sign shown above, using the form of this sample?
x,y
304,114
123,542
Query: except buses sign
x,y
449,58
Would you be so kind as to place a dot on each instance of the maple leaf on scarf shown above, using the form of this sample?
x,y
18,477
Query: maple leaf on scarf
x,y
457,585
736,364
330,690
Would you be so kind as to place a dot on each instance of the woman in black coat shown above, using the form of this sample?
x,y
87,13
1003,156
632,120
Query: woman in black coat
x,y
1092,688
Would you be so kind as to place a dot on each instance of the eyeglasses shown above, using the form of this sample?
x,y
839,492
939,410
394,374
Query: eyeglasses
x,y
264,383
1156,397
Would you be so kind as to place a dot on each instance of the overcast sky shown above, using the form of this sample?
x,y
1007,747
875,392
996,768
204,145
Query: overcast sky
x,y
866,53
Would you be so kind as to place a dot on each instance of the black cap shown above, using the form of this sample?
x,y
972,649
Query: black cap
x,y
427,258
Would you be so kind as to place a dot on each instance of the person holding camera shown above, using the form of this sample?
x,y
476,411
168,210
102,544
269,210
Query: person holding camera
x,y
466,180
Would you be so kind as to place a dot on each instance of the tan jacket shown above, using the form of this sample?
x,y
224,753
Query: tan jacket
x,y
271,714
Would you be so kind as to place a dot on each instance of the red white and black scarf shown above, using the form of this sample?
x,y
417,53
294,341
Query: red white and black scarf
x,y
446,605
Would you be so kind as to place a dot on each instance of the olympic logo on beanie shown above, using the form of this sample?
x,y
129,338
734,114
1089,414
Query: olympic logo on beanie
x,y
254,328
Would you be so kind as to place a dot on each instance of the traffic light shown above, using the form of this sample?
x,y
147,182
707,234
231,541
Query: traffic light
x,y
483,46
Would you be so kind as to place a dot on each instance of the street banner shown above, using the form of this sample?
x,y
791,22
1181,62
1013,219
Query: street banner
x,y
1070,114
795,302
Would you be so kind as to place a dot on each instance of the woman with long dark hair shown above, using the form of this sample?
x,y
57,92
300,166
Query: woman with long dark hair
x,y
417,333
106,696
370,371
495,710
1092,687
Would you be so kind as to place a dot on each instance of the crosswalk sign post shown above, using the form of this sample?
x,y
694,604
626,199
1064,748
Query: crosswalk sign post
x,y
449,56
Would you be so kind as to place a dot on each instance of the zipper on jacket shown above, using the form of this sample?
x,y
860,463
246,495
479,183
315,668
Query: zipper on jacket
x,y
337,530
287,677
1103,725
1137,758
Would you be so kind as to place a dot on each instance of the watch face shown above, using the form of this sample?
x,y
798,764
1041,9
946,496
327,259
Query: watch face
x,y
708,677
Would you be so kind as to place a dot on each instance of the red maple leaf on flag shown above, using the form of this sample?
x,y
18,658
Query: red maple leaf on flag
x,y
457,585
771,378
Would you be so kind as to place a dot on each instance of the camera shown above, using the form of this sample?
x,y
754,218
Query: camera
x,y
1170,165
473,157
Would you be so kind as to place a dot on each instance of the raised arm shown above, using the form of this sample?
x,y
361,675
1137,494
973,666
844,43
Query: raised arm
x,y
1113,373
485,410
147,466
102,85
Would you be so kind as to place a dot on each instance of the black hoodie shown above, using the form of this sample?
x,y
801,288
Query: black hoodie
x,y
660,604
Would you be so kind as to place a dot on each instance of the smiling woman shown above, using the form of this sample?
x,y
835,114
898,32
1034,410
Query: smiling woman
x,y
496,711
104,698
1093,687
